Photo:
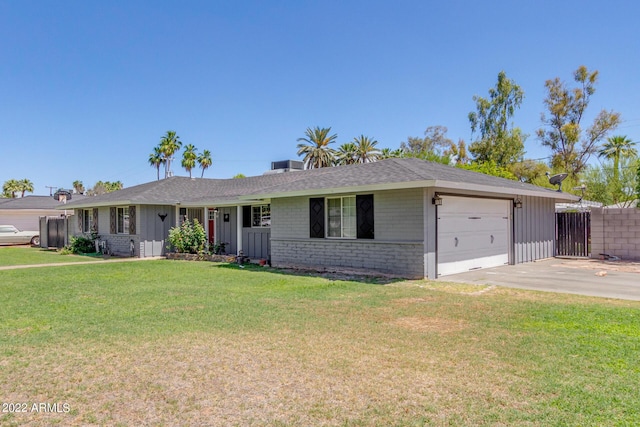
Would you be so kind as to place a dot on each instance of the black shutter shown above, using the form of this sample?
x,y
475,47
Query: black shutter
x,y
112,220
316,218
132,220
364,216
246,216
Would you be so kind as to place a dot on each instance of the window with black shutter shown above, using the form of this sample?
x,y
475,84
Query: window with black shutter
x,y
364,215
348,217
316,217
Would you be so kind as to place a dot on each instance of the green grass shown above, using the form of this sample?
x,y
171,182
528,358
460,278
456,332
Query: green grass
x,y
194,343
23,255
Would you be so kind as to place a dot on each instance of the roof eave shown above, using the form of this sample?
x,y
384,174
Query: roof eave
x,y
448,185
340,190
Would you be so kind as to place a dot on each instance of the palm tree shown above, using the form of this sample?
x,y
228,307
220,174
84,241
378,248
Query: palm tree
x,y
315,148
204,160
614,148
78,186
10,188
189,158
367,151
169,144
156,159
347,154
24,186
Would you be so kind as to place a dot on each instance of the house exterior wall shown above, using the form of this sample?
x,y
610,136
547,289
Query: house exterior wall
x,y
153,230
615,232
226,231
119,244
397,248
255,242
534,230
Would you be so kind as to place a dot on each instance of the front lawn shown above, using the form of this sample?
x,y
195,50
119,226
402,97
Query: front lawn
x,y
27,255
168,343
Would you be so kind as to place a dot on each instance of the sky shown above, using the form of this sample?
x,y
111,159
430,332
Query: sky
x,y
88,88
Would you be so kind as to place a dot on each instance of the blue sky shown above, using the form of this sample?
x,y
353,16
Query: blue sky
x,y
87,88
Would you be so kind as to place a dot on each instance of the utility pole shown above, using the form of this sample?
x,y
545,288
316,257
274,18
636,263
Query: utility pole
x,y
50,189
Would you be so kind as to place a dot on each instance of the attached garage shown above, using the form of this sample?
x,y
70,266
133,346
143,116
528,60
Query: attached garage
x,y
473,233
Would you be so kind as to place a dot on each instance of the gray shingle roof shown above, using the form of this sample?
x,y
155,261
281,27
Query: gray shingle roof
x,y
390,173
35,202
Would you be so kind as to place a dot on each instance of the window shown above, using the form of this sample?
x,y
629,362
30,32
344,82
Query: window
x,y
261,216
346,217
123,220
341,217
87,220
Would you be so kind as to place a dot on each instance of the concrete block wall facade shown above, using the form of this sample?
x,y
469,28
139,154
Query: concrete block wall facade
x,y
615,232
398,246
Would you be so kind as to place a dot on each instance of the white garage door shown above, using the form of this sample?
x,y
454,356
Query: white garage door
x,y
472,233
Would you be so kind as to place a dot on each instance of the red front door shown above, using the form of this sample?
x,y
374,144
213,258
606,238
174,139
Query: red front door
x,y
212,226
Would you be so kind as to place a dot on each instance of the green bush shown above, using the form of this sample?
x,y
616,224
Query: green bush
x,y
189,238
82,245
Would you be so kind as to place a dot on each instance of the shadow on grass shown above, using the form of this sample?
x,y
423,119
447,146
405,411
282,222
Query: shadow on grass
x,y
347,276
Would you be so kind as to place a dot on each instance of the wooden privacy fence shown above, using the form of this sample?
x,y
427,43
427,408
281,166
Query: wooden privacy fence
x,y
573,234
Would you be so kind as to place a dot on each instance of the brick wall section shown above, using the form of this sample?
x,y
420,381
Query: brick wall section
x,y
615,232
398,259
398,247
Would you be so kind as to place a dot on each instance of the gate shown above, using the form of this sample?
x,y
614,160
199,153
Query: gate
x,y
573,234
56,232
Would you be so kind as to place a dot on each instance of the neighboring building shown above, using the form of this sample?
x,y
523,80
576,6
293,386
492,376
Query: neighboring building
x,y
405,217
24,212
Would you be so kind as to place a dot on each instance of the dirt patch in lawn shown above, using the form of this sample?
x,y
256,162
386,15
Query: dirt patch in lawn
x,y
431,324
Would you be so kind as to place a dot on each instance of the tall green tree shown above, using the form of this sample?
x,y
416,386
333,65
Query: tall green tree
x,y
347,154
189,158
156,159
435,140
615,148
204,161
103,187
562,131
601,184
314,146
169,144
457,152
366,149
498,142
529,171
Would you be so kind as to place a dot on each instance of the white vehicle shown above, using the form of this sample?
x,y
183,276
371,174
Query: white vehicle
x,y
9,235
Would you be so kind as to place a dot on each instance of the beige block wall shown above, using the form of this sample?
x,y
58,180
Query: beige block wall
x,y
615,232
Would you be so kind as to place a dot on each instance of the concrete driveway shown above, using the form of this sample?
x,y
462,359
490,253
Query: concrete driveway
x,y
607,279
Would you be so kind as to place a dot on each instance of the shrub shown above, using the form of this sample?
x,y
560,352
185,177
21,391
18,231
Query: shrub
x,y
189,238
82,245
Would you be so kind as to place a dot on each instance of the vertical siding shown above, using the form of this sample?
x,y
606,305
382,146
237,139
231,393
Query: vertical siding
x,y
153,231
255,242
226,231
534,229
